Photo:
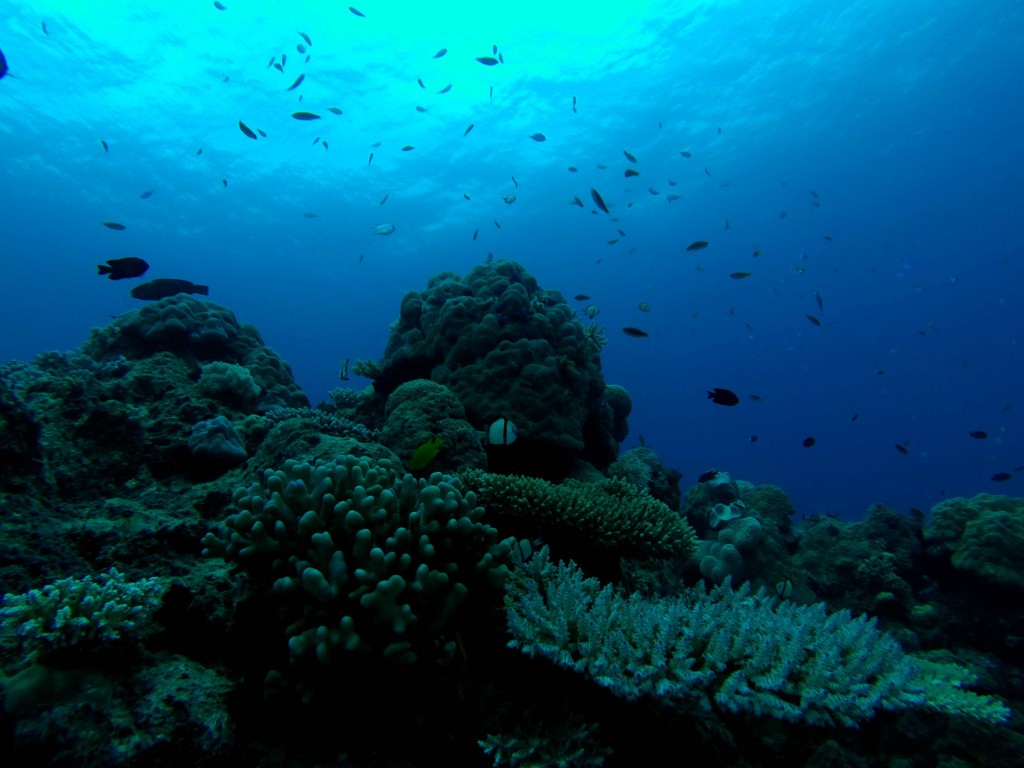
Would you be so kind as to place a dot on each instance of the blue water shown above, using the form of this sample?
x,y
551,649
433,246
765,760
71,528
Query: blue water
x,y
905,119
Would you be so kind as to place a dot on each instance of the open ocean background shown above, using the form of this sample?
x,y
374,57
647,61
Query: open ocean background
x,y
903,121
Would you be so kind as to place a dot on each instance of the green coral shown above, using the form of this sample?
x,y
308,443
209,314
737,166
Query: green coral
x,y
612,514
83,614
739,651
366,558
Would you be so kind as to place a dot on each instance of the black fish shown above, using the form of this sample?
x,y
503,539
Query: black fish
x,y
219,6
475,233
711,474
598,200
446,88
538,137
573,103
371,159
408,148
466,132
278,67
305,116
809,441
901,448
114,225
224,182
630,157
119,269
440,53
978,434
104,145
740,275
261,132
636,333
305,37
753,438
420,81
164,287
420,109
384,199
297,83
489,61
813,319
247,130
300,48
357,12
147,194
581,297
1002,477
465,195
496,224
686,154
817,298
697,245
721,396
631,172
335,110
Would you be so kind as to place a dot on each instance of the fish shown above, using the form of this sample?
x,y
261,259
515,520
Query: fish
x,y
827,237
284,60
902,448
509,199
305,116
602,167
623,234
653,191
686,154
598,200
643,306
224,182
855,417
573,103
613,241
271,62
808,442
576,201
103,144
821,302
630,172
300,48
580,297
784,588
573,169
466,196
305,37
496,224
114,225
636,333
420,81
119,269
538,137
707,172
740,275
314,141
440,53
408,148
426,453
371,159
335,110
978,434
219,6
753,438
446,88
783,214
261,132
487,61
309,215
711,474
384,199
357,12
490,258
630,157
697,245
1002,477
278,67
147,194
247,130
42,26
383,229
515,182
814,320
465,133
494,49
297,83
592,311
727,225
720,396
757,398
756,253
420,109
475,233
670,198
500,432
164,287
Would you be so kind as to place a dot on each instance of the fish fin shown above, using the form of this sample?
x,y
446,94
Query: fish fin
x,y
103,269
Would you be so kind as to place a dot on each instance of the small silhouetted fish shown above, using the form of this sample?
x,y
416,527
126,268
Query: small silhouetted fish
x,y
475,233
538,137
576,201
113,225
686,154
420,109
721,396
278,67
515,182
305,116
271,62
261,132
357,12
314,141
164,287
104,145
384,199
420,81
371,159
630,157
284,59
219,6
1002,477
324,144
809,441
827,237
580,297
305,37
309,215
636,333
598,200
753,438
119,269
630,172
783,215
335,110
902,448
496,224
408,148
147,194
490,94
465,133
613,241
670,198
247,130
813,319
817,298
440,53
297,83
697,245
446,88
224,182
573,169
978,434
489,61
465,195
711,474
490,258
573,103
855,417
727,225
740,275
757,398
42,26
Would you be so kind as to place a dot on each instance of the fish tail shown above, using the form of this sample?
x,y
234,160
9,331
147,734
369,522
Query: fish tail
x,y
103,269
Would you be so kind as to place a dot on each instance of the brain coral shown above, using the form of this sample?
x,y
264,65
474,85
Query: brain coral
x,y
508,349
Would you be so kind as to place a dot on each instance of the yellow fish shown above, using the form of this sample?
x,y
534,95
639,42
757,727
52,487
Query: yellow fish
x,y
426,453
